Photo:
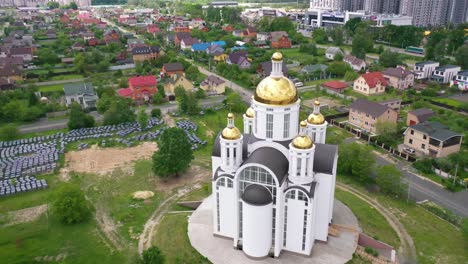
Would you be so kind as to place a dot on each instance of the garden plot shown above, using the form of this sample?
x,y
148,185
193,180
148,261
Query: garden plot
x,y
331,103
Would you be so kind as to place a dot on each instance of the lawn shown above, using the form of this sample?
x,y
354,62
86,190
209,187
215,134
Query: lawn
x,y
51,88
448,101
375,98
66,77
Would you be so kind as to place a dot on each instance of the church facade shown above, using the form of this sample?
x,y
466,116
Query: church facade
x,y
273,183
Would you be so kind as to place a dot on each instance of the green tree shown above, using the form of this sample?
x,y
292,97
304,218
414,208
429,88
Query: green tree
x,y
356,160
464,229
462,56
157,99
389,180
235,103
78,118
47,56
385,127
104,103
338,68
351,76
156,112
320,36
389,58
337,35
182,98
142,119
73,6
119,112
308,48
352,25
69,204
153,255
53,5
362,43
9,132
174,154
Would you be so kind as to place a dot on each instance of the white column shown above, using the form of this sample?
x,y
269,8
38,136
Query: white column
x,y
303,166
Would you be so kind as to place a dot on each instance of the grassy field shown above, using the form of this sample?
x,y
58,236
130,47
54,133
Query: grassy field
x,y
370,220
66,77
448,101
51,88
375,98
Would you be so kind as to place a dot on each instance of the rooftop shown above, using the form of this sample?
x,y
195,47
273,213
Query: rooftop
x,y
435,130
372,108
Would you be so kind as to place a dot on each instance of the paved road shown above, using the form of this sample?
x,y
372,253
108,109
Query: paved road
x,y
56,82
45,124
421,188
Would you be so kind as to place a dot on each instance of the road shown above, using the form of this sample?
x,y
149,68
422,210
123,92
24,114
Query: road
x,y
56,82
421,189
45,124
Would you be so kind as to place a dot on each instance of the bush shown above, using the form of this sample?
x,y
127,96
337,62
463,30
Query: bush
x,y
156,112
69,204
444,214
371,251
153,255
9,132
424,165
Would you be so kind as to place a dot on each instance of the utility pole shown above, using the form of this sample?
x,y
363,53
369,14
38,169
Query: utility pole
x,y
455,176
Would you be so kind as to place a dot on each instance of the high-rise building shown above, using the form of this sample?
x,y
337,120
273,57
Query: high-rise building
x,y
382,6
327,4
429,13
459,11
353,5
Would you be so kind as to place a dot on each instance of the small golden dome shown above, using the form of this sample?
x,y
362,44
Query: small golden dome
x,y
317,102
303,124
302,142
277,56
276,91
316,119
231,133
230,115
250,112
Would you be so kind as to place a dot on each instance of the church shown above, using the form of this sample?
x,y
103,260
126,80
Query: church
x,y
274,183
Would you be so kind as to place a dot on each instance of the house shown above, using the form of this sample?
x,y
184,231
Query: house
x,y
394,104
263,36
213,85
178,37
25,52
18,62
111,35
460,81
250,32
11,72
87,35
187,43
399,78
93,42
335,86
153,29
182,30
82,93
423,70
237,33
228,28
140,89
365,114
220,57
355,63
315,71
264,69
175,81
145,53
200,47
7,84
68,61
370,83
169,69
214,49
134,42
331,52
432,139
444,74
260,44
280,40
239,58
417,116
78,46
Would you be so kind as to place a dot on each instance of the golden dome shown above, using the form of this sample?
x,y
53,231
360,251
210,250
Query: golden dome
x,y
230,115
303,124
302,142
316,119
317,102
250,112
276,91
277,56
231,133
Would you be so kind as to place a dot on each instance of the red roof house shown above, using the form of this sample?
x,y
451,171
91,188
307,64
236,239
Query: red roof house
x,y
335,86
370,83
140,88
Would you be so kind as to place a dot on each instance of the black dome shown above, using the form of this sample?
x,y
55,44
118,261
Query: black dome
x,y
256,194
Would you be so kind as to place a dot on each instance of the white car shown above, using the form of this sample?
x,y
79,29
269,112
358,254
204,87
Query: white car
x,y
409,150
299,84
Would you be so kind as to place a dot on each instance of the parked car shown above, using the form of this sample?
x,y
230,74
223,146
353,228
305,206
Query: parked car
x,y
299,84
409,150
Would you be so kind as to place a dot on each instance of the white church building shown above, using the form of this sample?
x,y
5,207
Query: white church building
x,y
274,184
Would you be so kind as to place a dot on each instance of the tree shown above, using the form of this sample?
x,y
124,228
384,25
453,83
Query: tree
x,y
356,160
174,154
142,119
338,68
9,132
385,127
351,76
464,229
235,103
153,255
47,56
389,180
69,204
362,43
320,36
156,112
53,5
308,48
337,35
73,6
352,25
79,119
462,56
119,112
389,58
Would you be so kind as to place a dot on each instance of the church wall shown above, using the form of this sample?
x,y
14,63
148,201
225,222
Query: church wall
x,y
278,112
216,163
227,199
295,224
257,229
322,194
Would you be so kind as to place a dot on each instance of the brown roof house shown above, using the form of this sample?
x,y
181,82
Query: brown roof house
x,y
418,116
432,139
370,83
169,69
239,58
355,63
11,72
213,85
145,53
365,114
175,81
399,78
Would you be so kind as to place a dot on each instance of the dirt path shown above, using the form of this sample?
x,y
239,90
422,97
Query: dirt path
x,y
407,250
146,237
108,227
25,215
169,120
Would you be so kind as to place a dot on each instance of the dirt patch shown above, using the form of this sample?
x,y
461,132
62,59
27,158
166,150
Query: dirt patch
x,y
169,120
104,160
143,195
108,227
192,175
25,215
332,103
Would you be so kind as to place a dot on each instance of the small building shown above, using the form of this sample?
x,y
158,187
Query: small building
x,y
187,43
169,69
213,85
331,52
423,70
365,114
146,53
432,139
240,58
394,104
335,86
78,46
280,40
111,35
7,84
81,93
418,116
200,47
370,83
355,63
11,72
175,81
399,78
444,74
460,81
140,89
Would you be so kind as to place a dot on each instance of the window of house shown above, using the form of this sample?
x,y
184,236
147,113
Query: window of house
x,y
424,137
410,141
412,132
423,146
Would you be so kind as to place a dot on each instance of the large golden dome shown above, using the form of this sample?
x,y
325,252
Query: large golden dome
x,y
316,119
250,112
276,91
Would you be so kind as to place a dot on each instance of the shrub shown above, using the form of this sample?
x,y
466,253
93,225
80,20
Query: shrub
x,y
371,251
156,112
69,204
153,255
9,132
424,165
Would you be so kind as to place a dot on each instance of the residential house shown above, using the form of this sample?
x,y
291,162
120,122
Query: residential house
x,y
180,36
87,35
200,47
111,35
25,52
264,69
240,58
460,81
145,53
250,32
315,71
18,62
68,61
220,43
263,36
93,42
280,40
78,46
261,44
394,104
365,114
424,69
153,29
214,49
417,116
169,69
432,139
175,81
399,78
228,28
335,86
182,29
82,93
51,34
355,63
11,72
140,89
7,84
187,43
237,33
220,57
213,85
331,52
444,74
370,83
